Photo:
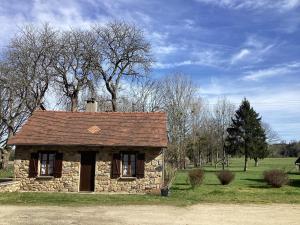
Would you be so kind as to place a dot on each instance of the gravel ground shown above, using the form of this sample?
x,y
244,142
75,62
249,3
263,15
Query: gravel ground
x,y
204,214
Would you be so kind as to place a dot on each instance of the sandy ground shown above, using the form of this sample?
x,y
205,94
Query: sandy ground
x,y
205,214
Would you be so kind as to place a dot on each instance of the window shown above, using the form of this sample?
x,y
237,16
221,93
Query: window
x,y
128,165
47,163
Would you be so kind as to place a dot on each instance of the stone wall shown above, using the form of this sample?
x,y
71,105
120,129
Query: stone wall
x,y
9,186
151,181
69,182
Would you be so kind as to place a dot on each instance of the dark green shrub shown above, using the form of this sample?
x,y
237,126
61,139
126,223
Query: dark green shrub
x,y
225,177
196,177
276,178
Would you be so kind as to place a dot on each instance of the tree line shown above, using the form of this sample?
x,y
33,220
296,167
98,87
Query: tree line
x,y
283,149
112,63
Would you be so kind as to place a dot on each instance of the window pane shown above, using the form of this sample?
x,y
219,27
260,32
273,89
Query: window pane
x,y
125,164
43,168
50,169
51,157
132,161
47,163
44,157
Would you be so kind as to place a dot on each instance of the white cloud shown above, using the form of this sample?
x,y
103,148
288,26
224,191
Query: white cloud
x,y
253,50
280,5
204,57
281,70
240,55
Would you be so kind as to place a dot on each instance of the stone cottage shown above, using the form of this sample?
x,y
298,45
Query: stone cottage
x,y
90,151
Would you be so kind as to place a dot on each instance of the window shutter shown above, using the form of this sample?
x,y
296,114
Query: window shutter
x,y
33,164
115,166
58,165
140,165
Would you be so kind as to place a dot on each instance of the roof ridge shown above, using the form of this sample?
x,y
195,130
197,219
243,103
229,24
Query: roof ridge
x,y
60,111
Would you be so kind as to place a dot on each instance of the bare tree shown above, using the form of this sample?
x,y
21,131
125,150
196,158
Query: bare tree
x,y
145,95
73,64
178,92
25,75
272,136
30,57
223,112
122,51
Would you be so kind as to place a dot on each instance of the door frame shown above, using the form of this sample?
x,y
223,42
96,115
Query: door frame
x,y
94,180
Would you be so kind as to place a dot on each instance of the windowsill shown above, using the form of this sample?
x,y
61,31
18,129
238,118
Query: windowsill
x,y
127,178
45,177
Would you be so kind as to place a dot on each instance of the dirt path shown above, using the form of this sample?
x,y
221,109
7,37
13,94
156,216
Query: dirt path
x,y
204,214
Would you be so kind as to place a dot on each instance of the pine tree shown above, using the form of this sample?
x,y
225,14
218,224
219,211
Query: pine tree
x,y
246,135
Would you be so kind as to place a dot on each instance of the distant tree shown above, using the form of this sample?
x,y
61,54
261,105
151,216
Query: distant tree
x,y
178,92
223,112
272,135
246,135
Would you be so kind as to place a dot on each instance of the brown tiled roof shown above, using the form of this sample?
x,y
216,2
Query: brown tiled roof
x,y
93,129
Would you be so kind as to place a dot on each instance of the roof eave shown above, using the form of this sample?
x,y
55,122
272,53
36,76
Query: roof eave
x,y
88,145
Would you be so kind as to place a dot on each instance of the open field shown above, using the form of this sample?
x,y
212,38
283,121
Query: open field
x,y
248,187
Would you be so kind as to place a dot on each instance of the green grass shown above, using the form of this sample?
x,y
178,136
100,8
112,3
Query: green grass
x,y
7,173
248,187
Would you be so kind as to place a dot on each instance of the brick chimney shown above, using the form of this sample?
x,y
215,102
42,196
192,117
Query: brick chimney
x,y
91,105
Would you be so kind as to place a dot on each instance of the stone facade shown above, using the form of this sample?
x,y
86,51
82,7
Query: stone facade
x,y
9,186
69,182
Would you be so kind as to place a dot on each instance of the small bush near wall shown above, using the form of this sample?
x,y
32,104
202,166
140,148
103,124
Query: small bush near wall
x,y
196,177
276,178
225,177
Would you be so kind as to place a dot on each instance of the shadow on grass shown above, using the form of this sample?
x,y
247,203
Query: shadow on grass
x,y
257,180
295,182
260,186
180,183
219,169
260,183
293,173
184,188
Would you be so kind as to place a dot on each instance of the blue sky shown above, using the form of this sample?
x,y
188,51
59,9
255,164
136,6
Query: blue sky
x,y
233,48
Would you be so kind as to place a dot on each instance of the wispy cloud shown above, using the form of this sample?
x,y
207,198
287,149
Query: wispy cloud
x,y
277,103
281,70
253,50
240,55
205,57
280,5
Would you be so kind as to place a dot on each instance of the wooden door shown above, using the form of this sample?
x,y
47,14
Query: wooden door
x,y
87,171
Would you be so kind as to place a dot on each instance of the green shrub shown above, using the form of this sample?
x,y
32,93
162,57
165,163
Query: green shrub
x,y
196,177
225,177
276,178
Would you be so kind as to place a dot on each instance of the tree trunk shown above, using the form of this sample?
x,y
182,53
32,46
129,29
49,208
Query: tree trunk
x,y
114,104
5,152
74,101
256,162
223,159
114,101
227,160
4,158
246,163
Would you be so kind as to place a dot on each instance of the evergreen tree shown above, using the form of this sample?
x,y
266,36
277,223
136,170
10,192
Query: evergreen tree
x,y
246,135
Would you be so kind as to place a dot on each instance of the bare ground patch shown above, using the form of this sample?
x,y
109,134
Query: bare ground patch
x,y
204,214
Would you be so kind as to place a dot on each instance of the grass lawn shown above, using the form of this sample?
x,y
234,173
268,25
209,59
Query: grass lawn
x,y
248,187
7,173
